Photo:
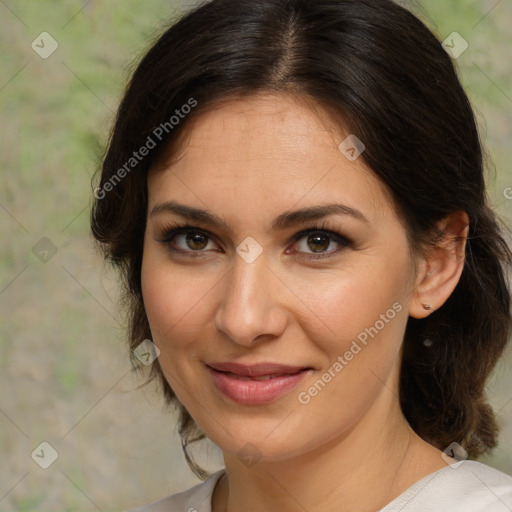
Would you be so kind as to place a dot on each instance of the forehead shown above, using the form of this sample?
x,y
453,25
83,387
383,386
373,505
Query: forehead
x,y
291,125
276,149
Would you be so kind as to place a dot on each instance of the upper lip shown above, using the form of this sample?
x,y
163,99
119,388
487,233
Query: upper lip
x,y
256,370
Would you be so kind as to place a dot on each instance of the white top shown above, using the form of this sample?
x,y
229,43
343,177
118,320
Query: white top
x,y
468,487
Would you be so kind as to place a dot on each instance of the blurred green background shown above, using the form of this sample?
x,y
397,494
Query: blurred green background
x,y
64,369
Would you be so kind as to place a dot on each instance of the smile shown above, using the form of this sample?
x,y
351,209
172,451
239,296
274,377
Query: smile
x,y
256,384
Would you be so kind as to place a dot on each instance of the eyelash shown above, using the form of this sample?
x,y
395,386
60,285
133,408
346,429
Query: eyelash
x,y
174,229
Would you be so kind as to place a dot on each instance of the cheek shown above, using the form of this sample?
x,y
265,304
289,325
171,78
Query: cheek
x,y
363,319
178,303
167,299
358,303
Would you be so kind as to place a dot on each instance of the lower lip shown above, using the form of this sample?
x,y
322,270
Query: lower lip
x,y
255,392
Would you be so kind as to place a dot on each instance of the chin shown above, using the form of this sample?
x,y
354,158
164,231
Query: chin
x,y
256,439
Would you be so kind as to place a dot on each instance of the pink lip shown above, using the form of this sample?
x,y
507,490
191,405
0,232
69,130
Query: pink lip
x,y
234,380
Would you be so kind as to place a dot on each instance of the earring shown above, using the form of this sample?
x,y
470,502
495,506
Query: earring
x,y
428,307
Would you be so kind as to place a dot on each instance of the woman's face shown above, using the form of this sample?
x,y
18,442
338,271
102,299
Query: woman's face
x,y
317,301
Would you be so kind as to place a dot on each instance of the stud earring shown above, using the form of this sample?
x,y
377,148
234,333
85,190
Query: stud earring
x,y
428,307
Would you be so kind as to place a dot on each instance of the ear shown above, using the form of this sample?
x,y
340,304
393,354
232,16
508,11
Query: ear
x,y
440,271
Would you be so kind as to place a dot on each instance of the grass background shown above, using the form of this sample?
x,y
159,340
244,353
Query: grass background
x,y
64,370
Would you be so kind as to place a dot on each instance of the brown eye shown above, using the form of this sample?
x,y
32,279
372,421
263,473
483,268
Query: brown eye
x,y
196,241
318,242
187,239
314,243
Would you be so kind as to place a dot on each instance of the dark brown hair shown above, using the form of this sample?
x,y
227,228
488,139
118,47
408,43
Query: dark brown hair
x,y
380,72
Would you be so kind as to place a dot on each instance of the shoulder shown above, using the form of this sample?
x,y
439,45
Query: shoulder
x,y
468,487
195,499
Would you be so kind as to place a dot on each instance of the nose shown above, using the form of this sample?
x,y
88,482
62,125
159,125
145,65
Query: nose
x,y
251,308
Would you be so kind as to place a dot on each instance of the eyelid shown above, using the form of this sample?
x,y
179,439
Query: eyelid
x,y
176,228
171,230
335,236
322,229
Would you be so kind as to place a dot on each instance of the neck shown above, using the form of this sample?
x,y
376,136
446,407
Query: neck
x,y
360,470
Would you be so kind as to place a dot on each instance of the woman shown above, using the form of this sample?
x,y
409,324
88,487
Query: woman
x,y
294,194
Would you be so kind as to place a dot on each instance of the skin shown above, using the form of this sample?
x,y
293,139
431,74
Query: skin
x,y
349,448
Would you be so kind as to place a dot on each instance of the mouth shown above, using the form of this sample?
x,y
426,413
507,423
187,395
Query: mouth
x,y
259,379
255,384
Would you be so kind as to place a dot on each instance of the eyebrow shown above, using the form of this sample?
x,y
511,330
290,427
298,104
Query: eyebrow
x,y
283,221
